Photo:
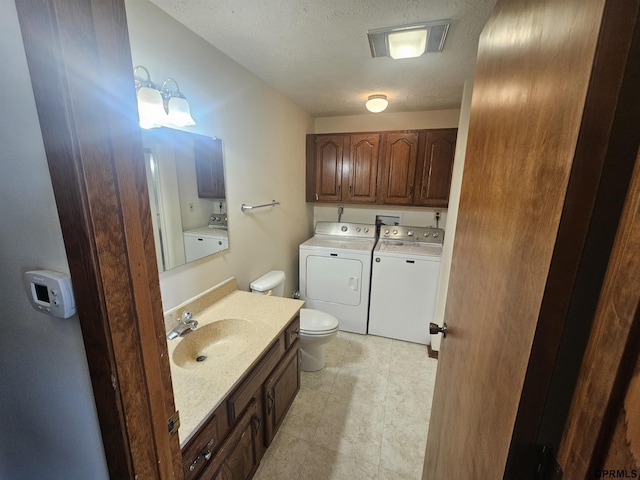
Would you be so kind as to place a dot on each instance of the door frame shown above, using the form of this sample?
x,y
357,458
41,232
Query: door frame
x,y
79,61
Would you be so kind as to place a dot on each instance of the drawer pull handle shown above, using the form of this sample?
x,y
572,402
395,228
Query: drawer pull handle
x,y
270,401
257,421
206,454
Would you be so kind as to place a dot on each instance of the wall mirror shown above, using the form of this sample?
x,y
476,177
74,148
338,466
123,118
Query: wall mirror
x,y
185,175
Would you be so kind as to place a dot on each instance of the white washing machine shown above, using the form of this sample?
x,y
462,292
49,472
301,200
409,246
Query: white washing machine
x,y
335,272
203,241
404,282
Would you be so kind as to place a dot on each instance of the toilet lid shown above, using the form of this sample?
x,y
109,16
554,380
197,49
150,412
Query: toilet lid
x,y
317,322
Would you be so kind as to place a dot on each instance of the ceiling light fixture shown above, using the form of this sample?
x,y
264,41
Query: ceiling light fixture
x,y
159,107
408,41
377,103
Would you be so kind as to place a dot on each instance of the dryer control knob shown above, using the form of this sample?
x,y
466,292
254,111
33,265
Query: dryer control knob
x,y
409,233
358,229
344,228
366,229
395,232
435,235
386,231
426,235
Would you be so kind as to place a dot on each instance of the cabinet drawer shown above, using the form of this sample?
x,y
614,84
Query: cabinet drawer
x,y
292,332
198,451
242,395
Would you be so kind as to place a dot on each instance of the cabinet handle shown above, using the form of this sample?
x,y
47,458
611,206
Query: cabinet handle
x,y
257,421
295,334
350,189
316,197
339,189
270,401
206,454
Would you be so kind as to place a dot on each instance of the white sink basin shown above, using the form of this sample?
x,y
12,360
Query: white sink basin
x,y
220,340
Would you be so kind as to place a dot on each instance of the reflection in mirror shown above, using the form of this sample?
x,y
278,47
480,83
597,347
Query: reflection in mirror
x,y
185,175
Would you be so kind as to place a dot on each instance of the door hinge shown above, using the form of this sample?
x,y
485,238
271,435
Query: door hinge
x,y
548,467
173,423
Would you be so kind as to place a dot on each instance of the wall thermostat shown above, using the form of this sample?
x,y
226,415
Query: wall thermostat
x,y
50,292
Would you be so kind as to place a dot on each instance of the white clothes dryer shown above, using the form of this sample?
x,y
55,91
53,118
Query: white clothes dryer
x,y
335,272
404,282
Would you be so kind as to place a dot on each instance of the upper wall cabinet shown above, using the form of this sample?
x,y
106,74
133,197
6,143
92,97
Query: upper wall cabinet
x,y
399,167
433,175
344,167
391,168
209,168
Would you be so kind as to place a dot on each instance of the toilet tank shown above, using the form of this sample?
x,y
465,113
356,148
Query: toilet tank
x,y
271,283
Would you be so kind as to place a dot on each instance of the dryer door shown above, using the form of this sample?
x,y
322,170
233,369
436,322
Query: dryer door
x,y
334,279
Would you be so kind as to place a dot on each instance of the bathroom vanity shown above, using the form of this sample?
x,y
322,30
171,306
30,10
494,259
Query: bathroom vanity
x,y
232,401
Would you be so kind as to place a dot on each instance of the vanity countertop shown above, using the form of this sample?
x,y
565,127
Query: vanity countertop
x,y
199,389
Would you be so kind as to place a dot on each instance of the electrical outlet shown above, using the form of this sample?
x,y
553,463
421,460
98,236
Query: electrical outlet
x,y
437,215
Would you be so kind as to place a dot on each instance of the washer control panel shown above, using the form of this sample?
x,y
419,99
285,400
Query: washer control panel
x,y
50,292
413,234
354,230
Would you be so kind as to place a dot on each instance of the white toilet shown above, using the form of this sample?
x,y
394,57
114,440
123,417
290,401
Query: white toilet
x,y
316,328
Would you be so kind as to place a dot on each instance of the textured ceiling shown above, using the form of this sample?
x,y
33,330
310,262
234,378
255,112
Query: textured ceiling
x,y
316,52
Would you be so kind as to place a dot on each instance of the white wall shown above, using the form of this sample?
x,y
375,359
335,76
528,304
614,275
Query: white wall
x,y
47,412
264,149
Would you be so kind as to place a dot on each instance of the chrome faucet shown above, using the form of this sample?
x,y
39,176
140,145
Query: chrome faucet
x,y
185,325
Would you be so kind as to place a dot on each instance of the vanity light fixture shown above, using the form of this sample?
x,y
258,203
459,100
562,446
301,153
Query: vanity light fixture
x,y
376,103
161,106
408,41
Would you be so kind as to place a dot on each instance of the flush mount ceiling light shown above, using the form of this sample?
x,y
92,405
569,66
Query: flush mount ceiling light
x,y
161,106
376,103
408,41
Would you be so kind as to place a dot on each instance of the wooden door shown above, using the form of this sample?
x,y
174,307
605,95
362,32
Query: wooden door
x,y
363,168
399,167
435,168
328,158
548,152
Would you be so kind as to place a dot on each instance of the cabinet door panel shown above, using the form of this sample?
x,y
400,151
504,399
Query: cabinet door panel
x,y
236,459
209,168
280,390
363,168
437,168
400,156
329,153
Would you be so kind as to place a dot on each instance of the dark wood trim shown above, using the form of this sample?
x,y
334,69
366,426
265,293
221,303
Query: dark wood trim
x,y
604,160
603,378
80,65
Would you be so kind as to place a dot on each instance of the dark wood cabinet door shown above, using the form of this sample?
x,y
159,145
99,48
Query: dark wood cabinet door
x,y
329,157
280,390
364,152
400,156
236,459
436,168
209,168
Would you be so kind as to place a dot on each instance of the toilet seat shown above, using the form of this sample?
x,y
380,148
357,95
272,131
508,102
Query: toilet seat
x,y
315,322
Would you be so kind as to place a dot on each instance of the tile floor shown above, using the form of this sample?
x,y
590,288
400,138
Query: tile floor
x,y
364,416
